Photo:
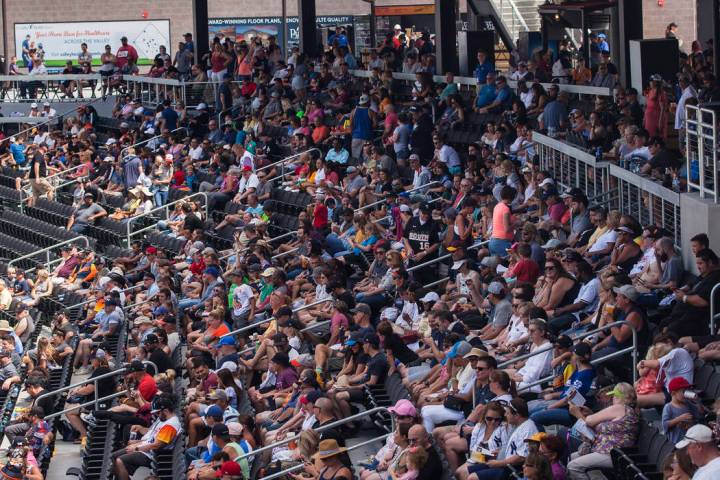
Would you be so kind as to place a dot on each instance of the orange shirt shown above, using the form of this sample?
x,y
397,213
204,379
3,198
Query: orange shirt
x,y
498,225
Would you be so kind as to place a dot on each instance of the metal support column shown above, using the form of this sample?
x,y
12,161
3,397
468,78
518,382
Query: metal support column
x,y
630,27
445,37
200,25
308,28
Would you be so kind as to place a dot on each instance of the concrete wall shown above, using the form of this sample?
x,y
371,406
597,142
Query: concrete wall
x,y
698,216
682,12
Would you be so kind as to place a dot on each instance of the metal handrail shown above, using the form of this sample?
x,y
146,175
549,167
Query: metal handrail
x,y
422,187
292,250
142,142
50,119
87,404
387,217
93,380
147,300
71,169
47,250
253,325
444,257
86,302
300,466
320,429
245,249
287,158
306,329
165,207
597,361
507,363
713,315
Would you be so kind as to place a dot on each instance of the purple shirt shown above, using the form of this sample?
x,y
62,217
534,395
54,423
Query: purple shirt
x,y
286,378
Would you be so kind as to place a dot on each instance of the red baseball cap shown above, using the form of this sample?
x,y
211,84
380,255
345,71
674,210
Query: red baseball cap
x,y
247,168
151,250
229,468
678,383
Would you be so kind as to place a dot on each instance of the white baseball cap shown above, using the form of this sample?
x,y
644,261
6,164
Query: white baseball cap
x,y
397,26
430,297
696,434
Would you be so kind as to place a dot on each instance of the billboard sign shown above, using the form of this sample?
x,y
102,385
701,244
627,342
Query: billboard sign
x,y
61,41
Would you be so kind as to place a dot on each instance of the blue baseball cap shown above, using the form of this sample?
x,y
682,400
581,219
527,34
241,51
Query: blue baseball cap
x,y
214,411
229,340
161,310
212,270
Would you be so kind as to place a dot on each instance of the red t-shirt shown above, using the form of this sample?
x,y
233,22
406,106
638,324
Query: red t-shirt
x,y
320,216
125,54
526,270
147,387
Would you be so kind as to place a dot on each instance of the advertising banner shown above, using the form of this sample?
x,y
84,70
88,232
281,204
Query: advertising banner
x,y
61,41
238,29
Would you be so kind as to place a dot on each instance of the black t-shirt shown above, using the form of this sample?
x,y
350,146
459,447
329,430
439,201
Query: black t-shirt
x,y
347,297
378,367
105,386
433,469
399,349
40,160
192,222
664,159
47,403
162,360
421,237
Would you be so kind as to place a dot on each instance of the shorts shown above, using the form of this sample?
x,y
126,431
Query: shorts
x,y
135,460
356,394
40,187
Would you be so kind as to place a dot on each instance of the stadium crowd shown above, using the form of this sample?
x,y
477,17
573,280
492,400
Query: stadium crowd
x,y
505,305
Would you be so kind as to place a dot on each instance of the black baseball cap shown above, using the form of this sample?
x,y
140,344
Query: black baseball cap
x,y
582,349
563,341
136,366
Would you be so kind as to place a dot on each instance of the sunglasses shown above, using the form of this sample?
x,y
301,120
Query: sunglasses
x,y
493,419
550,267
481,369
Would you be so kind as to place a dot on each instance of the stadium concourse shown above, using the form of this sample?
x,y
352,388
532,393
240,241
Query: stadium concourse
x,y
323,268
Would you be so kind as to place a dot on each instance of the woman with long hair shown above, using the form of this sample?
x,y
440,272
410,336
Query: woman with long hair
x,y
556,287
490,433
656,108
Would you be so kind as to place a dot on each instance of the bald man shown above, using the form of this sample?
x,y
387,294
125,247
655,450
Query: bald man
x,y
418,437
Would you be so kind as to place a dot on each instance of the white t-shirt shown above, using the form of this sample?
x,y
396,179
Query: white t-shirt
x,y
677,363
609,237
196,153
251,182
242,294
516,329
495,443
589,294
517,445
537,366
709,471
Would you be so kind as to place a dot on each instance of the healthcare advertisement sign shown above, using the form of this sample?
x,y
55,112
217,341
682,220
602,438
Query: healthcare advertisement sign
x,y
61,41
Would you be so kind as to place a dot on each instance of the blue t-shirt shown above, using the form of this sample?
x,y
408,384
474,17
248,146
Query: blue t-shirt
x,y
505,96
17,150
171,117
486,95
482,70
580,380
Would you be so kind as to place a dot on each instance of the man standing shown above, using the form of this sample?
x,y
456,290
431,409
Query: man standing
x,y
688,91
421,242
703,451
362,122
126,56
484,67
38,172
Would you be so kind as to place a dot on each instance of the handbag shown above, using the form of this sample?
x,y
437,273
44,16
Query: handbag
x,y
454,403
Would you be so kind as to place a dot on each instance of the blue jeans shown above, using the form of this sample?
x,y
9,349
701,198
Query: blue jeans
x,y
483,472
334,244
161,198
78,228
193,453
553,416
498,247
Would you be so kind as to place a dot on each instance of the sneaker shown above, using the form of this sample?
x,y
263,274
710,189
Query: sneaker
x,y
83,370
320,379
89,418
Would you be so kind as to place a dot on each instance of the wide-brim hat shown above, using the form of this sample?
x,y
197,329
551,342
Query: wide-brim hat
x,y
329,448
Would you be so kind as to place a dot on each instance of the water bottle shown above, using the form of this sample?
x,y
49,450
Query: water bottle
x,y
598,154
